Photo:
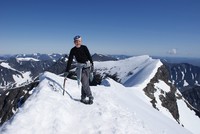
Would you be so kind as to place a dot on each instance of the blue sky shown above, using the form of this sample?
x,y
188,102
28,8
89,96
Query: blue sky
x,y
133,27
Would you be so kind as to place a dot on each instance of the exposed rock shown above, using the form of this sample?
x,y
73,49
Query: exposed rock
x,y
7,76
12,99
192,95
169,99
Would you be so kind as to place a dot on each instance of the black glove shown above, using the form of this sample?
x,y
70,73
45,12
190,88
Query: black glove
x,y
92,68
66,74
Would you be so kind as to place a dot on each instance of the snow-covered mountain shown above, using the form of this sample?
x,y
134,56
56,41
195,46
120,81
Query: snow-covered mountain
x,y
21,69
162,94
143,100
117,109
39,57
186,78
128,69
184,74
120,57
100,57
15,72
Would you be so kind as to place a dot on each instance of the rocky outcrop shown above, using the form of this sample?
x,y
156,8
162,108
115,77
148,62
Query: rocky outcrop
x,y
12,99
7,76
169,99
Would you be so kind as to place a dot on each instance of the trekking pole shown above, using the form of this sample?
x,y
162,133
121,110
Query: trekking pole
x,y
64,86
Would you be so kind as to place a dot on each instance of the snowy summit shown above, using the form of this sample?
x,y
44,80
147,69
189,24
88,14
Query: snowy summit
x,y
117,108
48,111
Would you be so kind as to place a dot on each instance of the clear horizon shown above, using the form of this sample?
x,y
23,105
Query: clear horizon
x,y
140,27
154,56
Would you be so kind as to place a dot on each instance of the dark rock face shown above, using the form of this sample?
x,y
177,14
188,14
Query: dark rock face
x,y
12,99
169,99
59,66
6,76
192,95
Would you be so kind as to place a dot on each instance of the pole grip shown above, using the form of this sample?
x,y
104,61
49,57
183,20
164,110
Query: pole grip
x,y
64,86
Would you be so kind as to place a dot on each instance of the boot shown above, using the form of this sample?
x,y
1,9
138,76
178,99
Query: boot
x,y
84,101
91,100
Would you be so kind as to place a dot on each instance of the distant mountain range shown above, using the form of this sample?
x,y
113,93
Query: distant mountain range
x,y
186,78
179,60
35,56
22,69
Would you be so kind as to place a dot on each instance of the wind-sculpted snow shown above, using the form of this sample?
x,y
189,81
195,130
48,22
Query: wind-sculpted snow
x,y
116,109
132,71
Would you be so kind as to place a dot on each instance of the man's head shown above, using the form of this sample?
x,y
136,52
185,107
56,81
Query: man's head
x,y
78,41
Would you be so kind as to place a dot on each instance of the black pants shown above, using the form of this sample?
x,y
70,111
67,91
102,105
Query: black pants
x,y
85,90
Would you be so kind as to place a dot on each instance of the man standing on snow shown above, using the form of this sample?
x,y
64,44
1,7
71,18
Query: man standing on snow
x,y
84,67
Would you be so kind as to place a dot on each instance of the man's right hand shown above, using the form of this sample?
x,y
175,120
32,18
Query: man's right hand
x,y
66,74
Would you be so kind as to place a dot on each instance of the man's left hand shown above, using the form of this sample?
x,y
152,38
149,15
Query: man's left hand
x,y
92,69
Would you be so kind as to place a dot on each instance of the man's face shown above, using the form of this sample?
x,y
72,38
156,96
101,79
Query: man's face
x,y
78,43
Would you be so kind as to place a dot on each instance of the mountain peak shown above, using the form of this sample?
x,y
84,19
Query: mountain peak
x,y
101,57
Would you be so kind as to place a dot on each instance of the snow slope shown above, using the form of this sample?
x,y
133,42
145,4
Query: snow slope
x,y
116,109
187,117
27,59
24,79
6,65
143,69
132,71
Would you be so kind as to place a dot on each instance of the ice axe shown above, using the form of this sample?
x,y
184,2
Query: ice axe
x,y
64,86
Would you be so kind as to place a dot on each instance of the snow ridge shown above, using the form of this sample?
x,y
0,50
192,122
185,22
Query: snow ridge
x,y
48,111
